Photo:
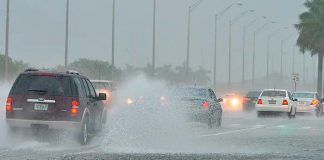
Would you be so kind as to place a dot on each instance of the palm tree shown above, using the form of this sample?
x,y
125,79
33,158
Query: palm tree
x,y
311,34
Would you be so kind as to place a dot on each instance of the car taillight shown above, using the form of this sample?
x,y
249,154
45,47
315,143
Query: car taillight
x,y
259,101
246,99
75,107
285,102
314,102
205,104
9,104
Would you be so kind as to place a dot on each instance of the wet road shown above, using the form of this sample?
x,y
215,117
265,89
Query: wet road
x,y
242,136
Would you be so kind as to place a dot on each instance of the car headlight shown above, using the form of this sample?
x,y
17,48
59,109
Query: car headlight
x,y
235,102
129,101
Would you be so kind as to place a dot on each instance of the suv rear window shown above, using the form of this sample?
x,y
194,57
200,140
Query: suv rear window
x,y
274,94
42,85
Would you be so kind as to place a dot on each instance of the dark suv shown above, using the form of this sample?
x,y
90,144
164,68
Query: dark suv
x,y
53,100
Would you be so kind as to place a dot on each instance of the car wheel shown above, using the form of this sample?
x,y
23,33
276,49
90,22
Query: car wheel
x,y
291,115
319,112
210,123
219,121
84,134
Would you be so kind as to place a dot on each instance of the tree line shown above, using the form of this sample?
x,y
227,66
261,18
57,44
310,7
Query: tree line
x,y
97,69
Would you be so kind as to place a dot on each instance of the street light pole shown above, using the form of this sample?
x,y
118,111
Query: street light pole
x,y
153,57
244,38
7,42
230,45
254,39
281,58
113,42
268,51
66,33
190,9
215,52
217,16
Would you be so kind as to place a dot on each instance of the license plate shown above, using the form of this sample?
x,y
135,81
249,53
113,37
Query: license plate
x,y
302,103
272,101
41,107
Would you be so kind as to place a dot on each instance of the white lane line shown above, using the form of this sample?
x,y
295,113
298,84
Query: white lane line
x,y
231,132
307,127
235,124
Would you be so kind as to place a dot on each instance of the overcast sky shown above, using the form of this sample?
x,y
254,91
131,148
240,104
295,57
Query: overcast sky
x,y
37,29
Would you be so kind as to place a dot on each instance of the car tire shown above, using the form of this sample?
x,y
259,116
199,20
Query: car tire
x,y
319,112
219,122
290,115
210,123
84,132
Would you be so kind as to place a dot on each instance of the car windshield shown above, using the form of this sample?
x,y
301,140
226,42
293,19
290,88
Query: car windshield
x,y
42,85
281,94
303,95
191,92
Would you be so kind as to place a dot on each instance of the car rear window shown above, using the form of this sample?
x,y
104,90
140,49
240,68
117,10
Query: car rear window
x,y
303,95
43,85
274,94
191,92
253,94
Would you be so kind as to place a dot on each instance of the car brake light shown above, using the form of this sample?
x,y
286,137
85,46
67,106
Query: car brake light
x,y
75,107
9,104
285,102
259,101
205,104
314,102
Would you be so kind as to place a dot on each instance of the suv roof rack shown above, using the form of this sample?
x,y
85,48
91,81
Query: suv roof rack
x,y
72,72
31,70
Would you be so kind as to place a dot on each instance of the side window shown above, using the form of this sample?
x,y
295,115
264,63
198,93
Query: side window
x,y
289,95
92,90
212,94
79,87
86,88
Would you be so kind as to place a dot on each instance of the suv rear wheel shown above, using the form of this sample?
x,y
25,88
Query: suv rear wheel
x,y
84,133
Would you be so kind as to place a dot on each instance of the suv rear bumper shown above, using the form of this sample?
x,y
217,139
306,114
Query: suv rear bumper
x,y
21,123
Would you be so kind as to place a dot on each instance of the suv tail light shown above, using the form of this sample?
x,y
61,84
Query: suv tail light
x,y
9,104
285,102
205,104
75,107
314,102
259,101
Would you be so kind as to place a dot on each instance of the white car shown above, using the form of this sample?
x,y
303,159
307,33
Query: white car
x,y
309,102
276,100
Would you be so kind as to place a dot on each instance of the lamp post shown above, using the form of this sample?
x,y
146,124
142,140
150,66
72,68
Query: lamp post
x,y
113,41
231,22
66,33
254,38
268,50
7,41
190,9
217,17
153,56
281,58
244,38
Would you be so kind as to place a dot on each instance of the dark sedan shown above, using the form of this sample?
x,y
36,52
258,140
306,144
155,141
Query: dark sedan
x,y
250,99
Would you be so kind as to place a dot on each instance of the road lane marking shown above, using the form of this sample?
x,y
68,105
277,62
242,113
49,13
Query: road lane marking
x,y
231,132
235,124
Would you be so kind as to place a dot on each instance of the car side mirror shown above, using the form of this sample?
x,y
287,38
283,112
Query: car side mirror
x,y
219,100
102,96
295,99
